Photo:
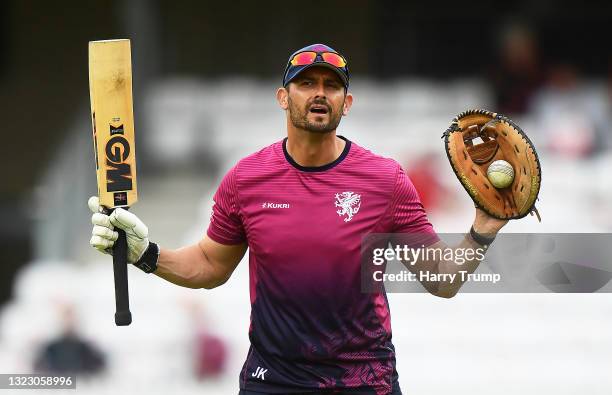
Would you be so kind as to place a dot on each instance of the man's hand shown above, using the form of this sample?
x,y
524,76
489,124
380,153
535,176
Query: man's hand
x,y
485,224
103,234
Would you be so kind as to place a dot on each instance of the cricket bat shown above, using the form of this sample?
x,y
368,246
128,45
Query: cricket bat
x,y
112,119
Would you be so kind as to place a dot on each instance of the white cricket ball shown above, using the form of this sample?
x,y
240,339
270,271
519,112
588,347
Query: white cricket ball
x,y
500,173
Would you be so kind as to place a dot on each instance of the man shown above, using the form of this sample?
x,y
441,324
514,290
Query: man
x,y
301,206
70,352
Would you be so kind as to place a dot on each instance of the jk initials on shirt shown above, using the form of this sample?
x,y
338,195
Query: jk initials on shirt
x,y
259,373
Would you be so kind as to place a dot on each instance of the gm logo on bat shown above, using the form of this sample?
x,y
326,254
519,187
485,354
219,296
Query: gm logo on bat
x,y
118,171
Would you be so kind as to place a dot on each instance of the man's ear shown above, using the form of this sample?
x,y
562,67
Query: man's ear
x,y
348,102
282,97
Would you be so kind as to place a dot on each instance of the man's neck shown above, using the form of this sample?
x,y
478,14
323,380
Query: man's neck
x,y
314,149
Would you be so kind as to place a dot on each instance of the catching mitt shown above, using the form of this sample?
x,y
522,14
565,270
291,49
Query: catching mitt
x,y
476,139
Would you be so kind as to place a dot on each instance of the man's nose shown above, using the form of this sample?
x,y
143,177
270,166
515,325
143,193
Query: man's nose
x,y
320,89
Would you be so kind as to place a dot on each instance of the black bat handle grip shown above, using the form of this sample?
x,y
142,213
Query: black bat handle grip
x,y
123,316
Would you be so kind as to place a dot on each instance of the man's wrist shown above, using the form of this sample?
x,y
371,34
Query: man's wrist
x,y
148,262
480,238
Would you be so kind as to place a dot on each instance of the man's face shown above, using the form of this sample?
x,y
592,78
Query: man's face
x,y
316,100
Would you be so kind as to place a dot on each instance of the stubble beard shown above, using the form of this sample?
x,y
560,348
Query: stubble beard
x,y
299,118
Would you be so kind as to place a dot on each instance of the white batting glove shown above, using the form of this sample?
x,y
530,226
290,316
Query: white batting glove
x,y
104,235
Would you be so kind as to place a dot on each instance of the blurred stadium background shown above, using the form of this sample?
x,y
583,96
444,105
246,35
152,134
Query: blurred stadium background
x,y
205,74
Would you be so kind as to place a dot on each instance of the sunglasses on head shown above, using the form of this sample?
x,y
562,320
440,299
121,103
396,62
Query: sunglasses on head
x,y
309,57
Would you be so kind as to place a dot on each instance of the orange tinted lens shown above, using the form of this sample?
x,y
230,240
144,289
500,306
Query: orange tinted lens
x,y
303,58
334,59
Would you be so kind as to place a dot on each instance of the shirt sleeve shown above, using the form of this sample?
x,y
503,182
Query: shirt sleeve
x,y
226,226
409,219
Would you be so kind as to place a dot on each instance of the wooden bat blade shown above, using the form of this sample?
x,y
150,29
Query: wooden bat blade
x,y
110,88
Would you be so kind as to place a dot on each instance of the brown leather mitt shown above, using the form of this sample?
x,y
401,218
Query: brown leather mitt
x,y
477,138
